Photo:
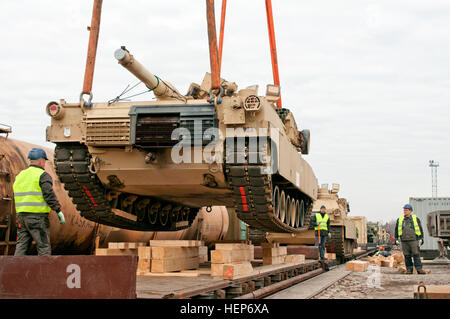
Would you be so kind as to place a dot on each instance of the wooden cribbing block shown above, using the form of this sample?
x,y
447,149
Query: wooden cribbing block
x,y
273,260
217,270
399,258
357,265
174,252
114,252
203,254
274,252
174,264
144,262
231,271
252,252
176,243
230,256
231,246
126,245
295,259
331,256
387,263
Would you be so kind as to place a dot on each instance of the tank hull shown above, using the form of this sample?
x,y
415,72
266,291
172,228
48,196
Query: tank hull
x,y
77,235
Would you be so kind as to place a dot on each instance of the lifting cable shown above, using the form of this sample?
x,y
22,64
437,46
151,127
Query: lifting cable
x,y
216,55
94,30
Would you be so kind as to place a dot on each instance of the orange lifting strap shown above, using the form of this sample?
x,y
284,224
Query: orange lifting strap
x,y
222,27
273,47
92,49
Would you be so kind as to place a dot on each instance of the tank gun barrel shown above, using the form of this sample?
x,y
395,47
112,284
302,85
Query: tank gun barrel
x,y
160,88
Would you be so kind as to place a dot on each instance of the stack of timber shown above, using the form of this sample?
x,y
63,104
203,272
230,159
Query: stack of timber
x,y
118,249
310,252
231,260
174,255
393,261
169,258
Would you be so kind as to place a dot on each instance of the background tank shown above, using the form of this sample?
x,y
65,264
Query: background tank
x,y
77,235
124,163
343,230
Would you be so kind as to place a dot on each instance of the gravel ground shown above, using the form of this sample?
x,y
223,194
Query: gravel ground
x,y
388,283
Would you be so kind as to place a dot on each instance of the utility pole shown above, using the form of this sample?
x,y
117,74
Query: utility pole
x,y
434,165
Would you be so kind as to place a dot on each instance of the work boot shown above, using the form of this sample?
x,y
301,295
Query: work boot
x,y
323,258
421,272
409,271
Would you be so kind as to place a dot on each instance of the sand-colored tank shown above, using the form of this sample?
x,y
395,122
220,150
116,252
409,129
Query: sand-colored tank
x,y
152,165
77,235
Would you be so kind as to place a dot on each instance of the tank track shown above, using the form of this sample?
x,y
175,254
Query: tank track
x,y
252,195
88,194
337,242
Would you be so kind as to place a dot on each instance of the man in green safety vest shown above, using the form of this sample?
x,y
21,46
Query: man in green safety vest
x,y
409,231
34,199
321,223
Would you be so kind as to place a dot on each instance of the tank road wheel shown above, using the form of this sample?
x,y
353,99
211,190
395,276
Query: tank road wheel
x,y
282,206
287,219
126,204
141,209
175,214
293,212
113,198
276,201
185,214
297,214
153,212
302,209
164,215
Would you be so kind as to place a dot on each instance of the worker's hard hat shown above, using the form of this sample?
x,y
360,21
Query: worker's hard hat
x,y
323,206
37,153
407,206
381,248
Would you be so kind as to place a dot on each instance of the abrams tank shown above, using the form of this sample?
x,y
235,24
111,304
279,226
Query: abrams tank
x,y
342,228
152,165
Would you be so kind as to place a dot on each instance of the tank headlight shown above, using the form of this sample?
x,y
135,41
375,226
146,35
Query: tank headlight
x,y
55,110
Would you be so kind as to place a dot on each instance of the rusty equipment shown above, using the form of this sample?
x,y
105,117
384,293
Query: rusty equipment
x,y
68,277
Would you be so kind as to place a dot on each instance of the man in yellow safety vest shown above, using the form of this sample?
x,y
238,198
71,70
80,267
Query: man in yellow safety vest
x,y
321,223
34,198
409,231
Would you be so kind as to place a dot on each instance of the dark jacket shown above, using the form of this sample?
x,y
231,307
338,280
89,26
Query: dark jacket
x,y
408,230
46,184
313,223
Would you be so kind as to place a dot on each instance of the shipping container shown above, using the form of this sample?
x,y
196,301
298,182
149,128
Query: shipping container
x,y
421,207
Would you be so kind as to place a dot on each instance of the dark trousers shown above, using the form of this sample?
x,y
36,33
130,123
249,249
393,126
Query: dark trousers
x,y
33,227
410,249
323,240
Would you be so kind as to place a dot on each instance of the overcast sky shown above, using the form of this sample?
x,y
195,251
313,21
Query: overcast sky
x,y
370,79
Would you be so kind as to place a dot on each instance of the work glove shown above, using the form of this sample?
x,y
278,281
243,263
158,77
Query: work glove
x,y
421,242
397,243
329,235
62,220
